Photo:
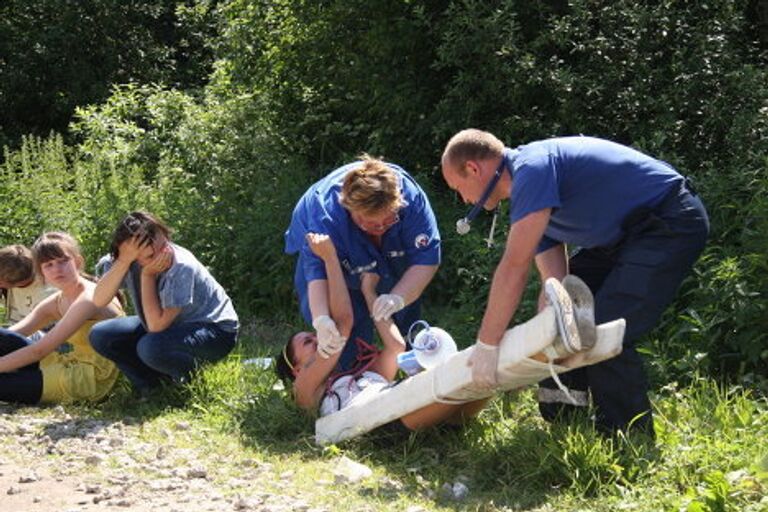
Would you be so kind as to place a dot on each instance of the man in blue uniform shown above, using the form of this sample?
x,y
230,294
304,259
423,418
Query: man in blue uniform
x,y
638,227
380,221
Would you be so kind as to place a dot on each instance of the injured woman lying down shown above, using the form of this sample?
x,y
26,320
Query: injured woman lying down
x,y
326,384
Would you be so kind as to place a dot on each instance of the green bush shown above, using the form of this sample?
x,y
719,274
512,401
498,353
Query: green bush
x,y
49,186
342,76
221,178
212,170
58,55
299,87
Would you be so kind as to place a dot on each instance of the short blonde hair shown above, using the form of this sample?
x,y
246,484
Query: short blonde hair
x,y
471,144
16,264
371,187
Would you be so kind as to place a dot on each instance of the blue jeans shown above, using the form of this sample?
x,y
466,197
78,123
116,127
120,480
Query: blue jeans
x,y
148,358
24,385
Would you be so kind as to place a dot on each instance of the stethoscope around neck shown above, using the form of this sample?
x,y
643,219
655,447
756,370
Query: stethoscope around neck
x,y
463,225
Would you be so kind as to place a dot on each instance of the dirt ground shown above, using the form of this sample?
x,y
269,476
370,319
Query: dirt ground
x,y
44,493
51,461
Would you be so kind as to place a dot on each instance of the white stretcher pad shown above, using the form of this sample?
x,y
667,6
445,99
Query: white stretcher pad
x,y
451,381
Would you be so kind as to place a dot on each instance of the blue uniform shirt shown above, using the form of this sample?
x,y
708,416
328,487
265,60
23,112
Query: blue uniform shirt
x,y
414,240
591,185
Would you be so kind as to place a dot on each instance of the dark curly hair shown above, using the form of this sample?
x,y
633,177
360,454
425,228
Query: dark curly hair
x,y
16,264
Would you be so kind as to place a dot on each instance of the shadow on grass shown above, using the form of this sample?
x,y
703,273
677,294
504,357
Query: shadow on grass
x,y
499,460
68,427
508,456
75,428
123,405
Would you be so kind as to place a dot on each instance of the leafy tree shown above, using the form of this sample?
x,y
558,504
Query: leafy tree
x,y
342,76
59,54
299,86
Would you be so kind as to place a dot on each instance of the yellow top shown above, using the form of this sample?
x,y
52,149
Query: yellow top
x,y
76,372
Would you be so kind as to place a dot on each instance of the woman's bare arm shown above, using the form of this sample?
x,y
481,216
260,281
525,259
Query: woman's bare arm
x,y
391,337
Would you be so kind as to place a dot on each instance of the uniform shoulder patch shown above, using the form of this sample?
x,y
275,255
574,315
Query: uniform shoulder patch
x,y
421,241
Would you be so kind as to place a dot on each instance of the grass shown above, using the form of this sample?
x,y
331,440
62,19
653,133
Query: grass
x,y
710,453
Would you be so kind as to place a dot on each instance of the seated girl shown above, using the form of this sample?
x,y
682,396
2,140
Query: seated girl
x,y
22,288
321,383
61,366
184,317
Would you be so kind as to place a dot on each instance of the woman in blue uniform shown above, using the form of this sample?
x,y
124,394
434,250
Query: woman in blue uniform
x,y
379,220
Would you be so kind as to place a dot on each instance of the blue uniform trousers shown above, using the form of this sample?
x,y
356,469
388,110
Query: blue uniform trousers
x,y
363,324
635,279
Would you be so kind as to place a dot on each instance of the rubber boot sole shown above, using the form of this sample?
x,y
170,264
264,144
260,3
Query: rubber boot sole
x,y
584,308
569,341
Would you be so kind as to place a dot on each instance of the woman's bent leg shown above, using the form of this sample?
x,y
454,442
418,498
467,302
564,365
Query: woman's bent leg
x,y
21,386
25,385
10,342
117,340
180,349
435,414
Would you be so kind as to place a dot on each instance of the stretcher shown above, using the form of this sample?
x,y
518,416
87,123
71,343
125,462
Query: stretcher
x,y
451,381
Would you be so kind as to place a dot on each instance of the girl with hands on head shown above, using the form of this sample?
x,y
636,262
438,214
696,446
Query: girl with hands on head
x,y
61,366
184,317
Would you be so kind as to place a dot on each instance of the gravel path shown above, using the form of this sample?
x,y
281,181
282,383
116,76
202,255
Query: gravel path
x,y
50,461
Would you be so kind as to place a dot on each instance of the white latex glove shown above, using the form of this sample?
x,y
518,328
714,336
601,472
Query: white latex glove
x,y
387,305
329,341
484,360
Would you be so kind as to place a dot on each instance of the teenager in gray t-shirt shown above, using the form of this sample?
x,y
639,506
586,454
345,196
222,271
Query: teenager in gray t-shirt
x,y
184,317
